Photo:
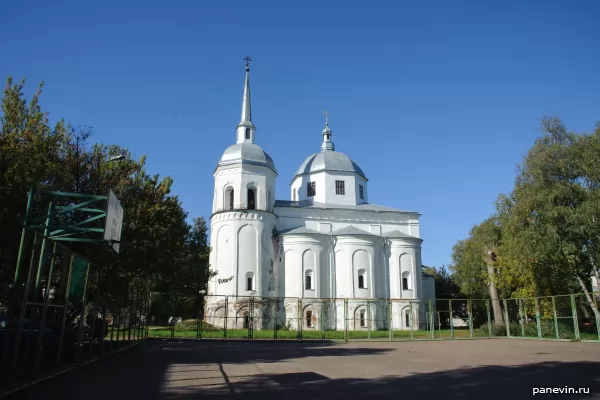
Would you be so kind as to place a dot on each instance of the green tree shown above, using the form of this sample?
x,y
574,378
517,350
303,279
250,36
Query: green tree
x,y
475,264
553,210
156,240
184,286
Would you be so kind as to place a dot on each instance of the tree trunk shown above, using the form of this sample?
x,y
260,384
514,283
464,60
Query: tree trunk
x,y
496,306
595,270
588,297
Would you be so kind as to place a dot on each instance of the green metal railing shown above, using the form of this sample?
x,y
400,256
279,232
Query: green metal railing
x,y
566,317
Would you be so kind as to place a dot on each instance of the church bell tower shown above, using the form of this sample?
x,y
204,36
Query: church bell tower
x,y
242,219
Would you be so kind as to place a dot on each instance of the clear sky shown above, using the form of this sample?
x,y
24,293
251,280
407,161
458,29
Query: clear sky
x,y
436,101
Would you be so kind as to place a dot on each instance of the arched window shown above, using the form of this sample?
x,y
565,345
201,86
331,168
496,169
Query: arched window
x,y
247,133
362,282
246,321
251,199
405,283
294,195
268,200
228,199
249,281
407,318
362,318
309,318
308,280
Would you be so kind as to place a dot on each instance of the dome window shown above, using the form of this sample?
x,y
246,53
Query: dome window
x,y
311,189
340,188
251,199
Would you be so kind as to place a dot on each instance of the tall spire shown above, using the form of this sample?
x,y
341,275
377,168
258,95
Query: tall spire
x,y
327,144
245,129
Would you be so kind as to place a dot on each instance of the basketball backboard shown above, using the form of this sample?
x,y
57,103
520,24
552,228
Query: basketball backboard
x,y
114,221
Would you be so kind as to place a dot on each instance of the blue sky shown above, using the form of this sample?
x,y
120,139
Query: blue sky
x,y
437,101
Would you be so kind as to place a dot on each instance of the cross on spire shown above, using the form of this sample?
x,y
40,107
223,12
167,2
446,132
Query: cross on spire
x,y
247,59
327,143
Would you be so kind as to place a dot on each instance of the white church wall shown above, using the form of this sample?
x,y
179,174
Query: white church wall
x,y
326,188
342,272
403,264
357,253
313,218
243,253
248,275
362,264
358,183
300,183
303,255
221,260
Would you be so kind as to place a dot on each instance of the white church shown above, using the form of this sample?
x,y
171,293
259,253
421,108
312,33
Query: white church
x,y
326,259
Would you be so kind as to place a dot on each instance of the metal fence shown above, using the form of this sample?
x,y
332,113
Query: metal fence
x,y
567,317
57,309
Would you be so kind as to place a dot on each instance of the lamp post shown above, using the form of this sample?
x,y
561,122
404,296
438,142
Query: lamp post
x,y
116,158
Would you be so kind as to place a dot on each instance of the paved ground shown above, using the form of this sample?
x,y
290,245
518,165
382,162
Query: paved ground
x,y
466,369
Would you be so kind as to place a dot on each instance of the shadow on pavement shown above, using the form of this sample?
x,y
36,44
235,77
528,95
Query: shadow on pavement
x,y
147,372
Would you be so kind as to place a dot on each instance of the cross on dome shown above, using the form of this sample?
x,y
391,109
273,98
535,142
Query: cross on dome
x,y
327,144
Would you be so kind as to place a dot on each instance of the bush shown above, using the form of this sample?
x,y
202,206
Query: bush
x,y
192,325
565,330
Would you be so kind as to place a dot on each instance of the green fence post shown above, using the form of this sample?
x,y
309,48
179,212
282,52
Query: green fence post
x,y
538,318
39,344
226,317
368,319
506,321
346,333
275,306
432,318
300,324
24,234
103,331
43,251
251,318
130,297
201,319
575,322
82,315
451,316
389,317
322,317
95,317
597,313
410,319
555,318
521,322
470,311
489,317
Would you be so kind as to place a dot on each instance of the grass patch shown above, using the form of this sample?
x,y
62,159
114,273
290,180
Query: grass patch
x,y
188,329
160,332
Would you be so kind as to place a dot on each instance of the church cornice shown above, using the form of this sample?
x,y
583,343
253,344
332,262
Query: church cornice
x,y
331,217
240,163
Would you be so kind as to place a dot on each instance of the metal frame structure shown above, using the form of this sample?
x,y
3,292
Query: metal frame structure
x,y
24,355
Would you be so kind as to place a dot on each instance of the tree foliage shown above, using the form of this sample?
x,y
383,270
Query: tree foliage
x,y
545,234
158,244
